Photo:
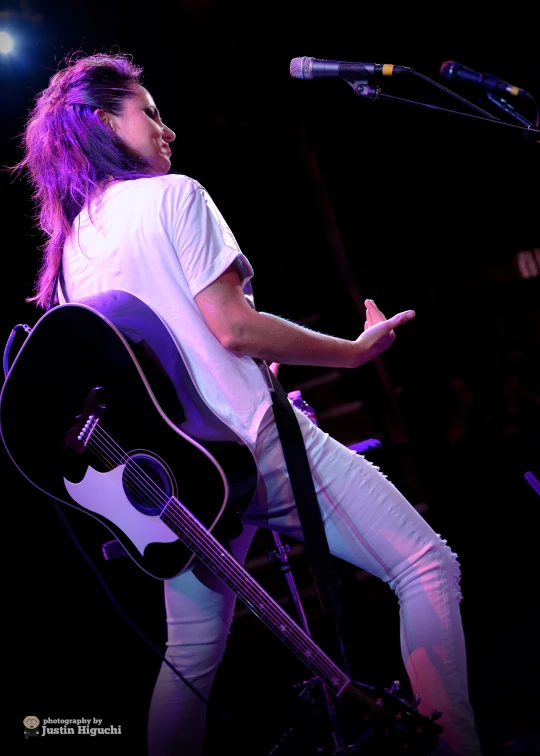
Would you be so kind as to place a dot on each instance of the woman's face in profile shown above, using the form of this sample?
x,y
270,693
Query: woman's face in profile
x,y
141,129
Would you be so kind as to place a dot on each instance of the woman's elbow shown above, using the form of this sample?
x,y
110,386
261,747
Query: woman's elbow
x,y
234,338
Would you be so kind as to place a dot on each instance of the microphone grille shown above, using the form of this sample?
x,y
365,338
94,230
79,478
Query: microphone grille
x,y
447,69
300,68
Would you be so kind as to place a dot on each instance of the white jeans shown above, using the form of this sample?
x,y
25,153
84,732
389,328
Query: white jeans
x,y
370,524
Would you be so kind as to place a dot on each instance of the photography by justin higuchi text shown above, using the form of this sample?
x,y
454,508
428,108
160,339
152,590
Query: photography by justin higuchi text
x,y
90,726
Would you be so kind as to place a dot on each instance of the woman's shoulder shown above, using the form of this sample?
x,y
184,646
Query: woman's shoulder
x,y
176,184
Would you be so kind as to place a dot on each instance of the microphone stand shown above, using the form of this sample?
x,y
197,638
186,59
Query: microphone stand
x,y
362,88
280,554
510,109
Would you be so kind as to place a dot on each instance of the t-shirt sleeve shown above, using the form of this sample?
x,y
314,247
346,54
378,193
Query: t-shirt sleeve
x,y
204,243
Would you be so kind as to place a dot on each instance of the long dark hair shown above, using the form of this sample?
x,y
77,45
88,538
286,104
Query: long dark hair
x,y
69,155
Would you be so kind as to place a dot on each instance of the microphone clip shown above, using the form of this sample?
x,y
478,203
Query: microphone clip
x,y
363,88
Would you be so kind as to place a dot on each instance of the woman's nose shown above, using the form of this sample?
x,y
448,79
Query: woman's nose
x,y
168,134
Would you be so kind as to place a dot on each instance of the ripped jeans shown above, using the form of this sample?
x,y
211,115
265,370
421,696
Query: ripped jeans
x,y
368,523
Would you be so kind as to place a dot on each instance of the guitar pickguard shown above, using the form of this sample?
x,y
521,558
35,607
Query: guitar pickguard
x,y
103,494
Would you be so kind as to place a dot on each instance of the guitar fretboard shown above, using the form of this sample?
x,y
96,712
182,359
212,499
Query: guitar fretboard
x,y
222,563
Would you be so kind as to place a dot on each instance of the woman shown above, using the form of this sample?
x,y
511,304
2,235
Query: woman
x,y
98,156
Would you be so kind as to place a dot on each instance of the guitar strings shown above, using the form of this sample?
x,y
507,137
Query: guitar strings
x,y
124,458
103,446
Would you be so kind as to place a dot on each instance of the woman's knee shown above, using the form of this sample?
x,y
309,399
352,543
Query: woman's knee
x,y
198,659
449,564
432,565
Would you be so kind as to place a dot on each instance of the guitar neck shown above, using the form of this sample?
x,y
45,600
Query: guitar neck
x,y
221,562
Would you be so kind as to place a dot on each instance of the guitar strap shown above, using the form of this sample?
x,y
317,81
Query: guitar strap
x,y
321,561
61,280
292,442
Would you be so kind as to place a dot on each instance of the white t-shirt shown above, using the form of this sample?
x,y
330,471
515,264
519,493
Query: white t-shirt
x,y
163,240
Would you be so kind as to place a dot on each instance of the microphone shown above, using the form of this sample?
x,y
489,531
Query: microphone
x,y
454,71
313,68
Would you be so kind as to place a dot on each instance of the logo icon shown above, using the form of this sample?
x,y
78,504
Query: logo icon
x,y
31,726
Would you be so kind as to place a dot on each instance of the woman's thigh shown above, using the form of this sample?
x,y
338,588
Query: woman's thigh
x,y
368,522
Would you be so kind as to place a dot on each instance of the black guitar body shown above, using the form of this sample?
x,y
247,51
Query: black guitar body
x,y
74,350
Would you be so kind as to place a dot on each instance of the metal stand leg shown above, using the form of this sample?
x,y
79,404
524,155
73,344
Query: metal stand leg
x,y
281,554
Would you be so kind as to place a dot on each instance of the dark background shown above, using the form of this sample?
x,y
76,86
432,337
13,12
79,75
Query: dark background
x,y
334,198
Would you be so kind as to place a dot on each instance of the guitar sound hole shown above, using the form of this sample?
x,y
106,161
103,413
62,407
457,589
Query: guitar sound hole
x,y
147,483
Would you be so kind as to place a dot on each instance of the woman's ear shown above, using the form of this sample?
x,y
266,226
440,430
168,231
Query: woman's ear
x,y
104,118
